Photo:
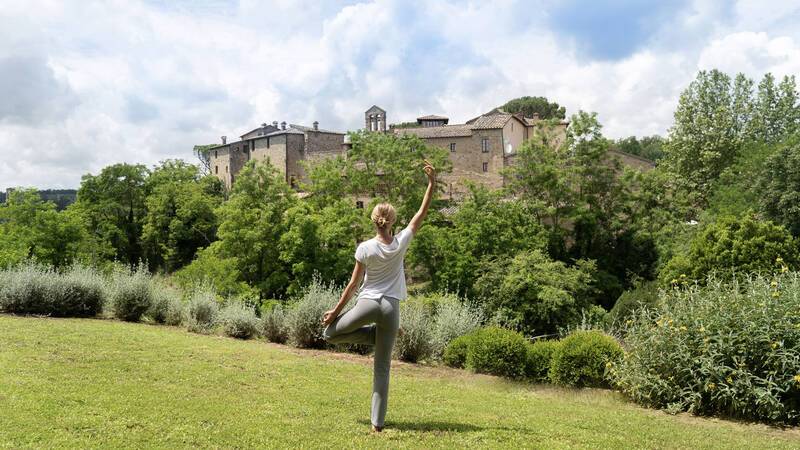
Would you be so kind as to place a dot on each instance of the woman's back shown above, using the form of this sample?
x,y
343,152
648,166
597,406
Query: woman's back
x,y
384,266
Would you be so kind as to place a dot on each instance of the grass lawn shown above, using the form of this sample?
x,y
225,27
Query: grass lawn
x,y
100,383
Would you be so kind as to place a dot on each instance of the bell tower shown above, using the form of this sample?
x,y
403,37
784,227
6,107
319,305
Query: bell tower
x,y
375,119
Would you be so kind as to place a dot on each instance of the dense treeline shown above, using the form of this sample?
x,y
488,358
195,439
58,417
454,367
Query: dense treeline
x,y
571,232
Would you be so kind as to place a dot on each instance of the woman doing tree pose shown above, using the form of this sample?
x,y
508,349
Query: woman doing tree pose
x,y
375,318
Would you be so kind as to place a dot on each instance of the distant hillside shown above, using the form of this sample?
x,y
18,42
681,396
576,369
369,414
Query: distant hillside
x,y
61,197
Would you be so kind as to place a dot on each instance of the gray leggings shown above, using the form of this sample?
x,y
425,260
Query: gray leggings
x,y
372,322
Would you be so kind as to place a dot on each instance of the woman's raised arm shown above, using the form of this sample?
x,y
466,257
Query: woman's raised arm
x,y
416,221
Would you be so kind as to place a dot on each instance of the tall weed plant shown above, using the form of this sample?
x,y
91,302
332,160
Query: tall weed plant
x,y
731,349
36,289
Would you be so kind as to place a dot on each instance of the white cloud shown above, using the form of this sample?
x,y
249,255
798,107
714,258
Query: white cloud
x,y
92,83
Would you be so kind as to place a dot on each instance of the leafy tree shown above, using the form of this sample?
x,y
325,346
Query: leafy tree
x,y
222,274
32,228
384,167
251,226
586,201
180,214
711,124
112,206
778,186
203,154
776,111
485,225
528,106
649,147
321,242
733,245
533,293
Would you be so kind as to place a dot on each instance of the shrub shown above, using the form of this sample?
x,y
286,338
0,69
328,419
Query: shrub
x,y
497,351
414,344
273,324
131,294
34,289
534,293
582,357
304,318
644,295
239,321
730,348
455,354
167,307
729,246
452,319
201,311
540,359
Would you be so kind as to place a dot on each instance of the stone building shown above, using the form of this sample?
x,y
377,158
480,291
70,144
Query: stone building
x,y
285,146
480,148
483,146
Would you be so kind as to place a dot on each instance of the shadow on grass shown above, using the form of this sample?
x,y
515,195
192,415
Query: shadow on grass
x,y
438,426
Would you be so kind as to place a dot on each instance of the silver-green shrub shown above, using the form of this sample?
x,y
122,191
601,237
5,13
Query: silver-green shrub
x,y
131,294
304,317
453,318
201,311
415,342
273,324
731,349
36,289
238,321
167,306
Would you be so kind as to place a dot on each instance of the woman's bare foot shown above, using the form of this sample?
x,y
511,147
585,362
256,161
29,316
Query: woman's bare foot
x,y
376,429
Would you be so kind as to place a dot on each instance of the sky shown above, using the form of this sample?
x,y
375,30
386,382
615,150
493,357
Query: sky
x,y
85,84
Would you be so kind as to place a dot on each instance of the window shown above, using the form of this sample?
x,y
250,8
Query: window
x,y
293,182
226,168
359,204
452,147
486,167
215,154
485,145
244,147
216,169
267,142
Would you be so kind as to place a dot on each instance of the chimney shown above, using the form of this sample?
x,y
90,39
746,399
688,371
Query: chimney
x,y
275,123
316,125
264,125
224,139
283,125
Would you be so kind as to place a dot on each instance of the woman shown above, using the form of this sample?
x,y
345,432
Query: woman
x,y
375,318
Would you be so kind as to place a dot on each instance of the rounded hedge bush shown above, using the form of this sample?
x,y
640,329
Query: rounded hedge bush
x,y
583,358
131,295
455,354
497,351
239,321
201,311
540,359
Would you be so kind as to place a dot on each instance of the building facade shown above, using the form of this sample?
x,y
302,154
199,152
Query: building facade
x,y
284,146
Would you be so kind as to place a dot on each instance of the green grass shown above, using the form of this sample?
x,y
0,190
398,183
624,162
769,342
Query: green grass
x,y
100,383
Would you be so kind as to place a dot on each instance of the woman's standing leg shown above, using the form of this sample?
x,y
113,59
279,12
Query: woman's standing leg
x,y
385,335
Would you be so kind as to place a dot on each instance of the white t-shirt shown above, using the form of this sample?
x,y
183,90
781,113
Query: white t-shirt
x,y
384,266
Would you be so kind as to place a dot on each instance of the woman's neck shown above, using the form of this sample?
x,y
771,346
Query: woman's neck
x,y
385,236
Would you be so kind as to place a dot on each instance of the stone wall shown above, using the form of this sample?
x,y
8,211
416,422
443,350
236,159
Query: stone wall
x,y
272,148
468,161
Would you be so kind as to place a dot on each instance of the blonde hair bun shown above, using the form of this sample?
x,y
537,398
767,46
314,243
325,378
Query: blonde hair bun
x,y
383,214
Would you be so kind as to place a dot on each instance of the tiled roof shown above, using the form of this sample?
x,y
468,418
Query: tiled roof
x,y
432,117
437,132
490,121
304,129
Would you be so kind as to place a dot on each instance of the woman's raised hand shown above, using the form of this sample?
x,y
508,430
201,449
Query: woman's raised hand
x,y
429,171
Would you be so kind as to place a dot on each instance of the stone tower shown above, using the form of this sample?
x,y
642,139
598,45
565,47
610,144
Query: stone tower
x,y
375,119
